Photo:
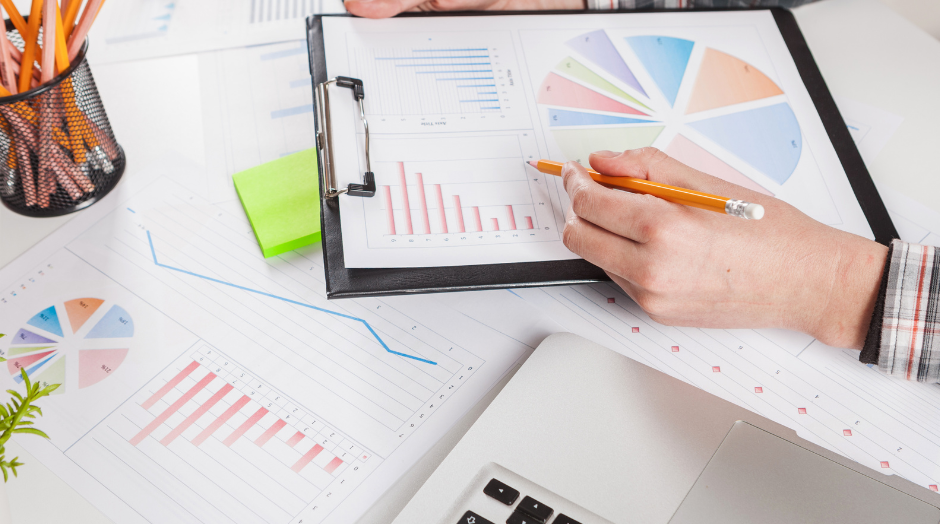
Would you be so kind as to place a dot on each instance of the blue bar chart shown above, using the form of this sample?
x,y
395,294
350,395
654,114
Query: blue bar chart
x,y
431,80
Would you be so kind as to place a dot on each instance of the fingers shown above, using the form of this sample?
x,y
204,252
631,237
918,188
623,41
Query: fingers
x,y
626,214
652,164
601,247
380,8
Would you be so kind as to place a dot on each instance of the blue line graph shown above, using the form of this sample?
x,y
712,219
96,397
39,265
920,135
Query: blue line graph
x,y
153,252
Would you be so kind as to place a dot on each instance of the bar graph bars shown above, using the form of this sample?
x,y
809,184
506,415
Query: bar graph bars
x,y
422,81
202,401
203,430
445,192
421,217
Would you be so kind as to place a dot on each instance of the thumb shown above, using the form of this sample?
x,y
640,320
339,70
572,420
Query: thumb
x,y
652,164
380,8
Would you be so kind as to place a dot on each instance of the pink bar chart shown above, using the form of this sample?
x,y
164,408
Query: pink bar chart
x,y
401,219
200,404
205,428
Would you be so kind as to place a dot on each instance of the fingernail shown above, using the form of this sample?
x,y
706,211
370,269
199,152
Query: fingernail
x,y
606,154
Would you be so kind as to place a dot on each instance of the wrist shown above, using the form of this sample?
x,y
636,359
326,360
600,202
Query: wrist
x,y
848,303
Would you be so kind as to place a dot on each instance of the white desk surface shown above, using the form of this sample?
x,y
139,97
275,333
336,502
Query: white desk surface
x,y
865,51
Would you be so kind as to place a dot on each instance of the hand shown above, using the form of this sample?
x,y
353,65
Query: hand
x,y
691,267
387,8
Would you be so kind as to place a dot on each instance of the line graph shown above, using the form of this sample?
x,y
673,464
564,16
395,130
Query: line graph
x,y
289,301
201,261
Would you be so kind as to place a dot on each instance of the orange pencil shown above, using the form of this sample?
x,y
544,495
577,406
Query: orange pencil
x,y
71,13
18,21
29,50
678,195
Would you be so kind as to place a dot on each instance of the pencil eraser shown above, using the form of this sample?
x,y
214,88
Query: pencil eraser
x,y
282,201
754,211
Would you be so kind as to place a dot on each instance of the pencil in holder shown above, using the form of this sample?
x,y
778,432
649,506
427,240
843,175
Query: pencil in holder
x,y
57,151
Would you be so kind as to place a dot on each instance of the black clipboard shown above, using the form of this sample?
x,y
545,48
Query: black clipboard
x,y
343,282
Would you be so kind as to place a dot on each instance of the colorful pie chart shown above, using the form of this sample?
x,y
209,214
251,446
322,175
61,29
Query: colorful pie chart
x,y
720,114
89,333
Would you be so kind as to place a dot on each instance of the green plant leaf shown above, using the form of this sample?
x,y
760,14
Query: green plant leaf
x,y
32,431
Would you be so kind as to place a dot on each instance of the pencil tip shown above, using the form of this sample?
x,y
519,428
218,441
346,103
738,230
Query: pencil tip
x,y
533,163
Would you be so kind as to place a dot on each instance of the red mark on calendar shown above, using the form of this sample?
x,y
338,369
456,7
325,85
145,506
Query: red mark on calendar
x,y
846,432
758,389
611,300
884,464
636,330
802,411
716,369
933,487
675,349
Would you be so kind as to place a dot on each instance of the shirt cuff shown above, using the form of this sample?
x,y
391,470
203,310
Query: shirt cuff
x,y
904,336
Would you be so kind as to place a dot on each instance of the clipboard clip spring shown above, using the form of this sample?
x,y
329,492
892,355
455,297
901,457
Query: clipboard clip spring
x,y
367,187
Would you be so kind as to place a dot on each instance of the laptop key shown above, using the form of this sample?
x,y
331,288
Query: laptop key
x,y
501,492
519,517
472,518
535,509
564,519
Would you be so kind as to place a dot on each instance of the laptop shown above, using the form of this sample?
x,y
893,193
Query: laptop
x,y
584,435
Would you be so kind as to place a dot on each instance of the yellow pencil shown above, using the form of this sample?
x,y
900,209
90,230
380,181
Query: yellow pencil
x,y
678,195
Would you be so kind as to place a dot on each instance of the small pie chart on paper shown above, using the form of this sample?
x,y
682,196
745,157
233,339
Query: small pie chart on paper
x,y
76,343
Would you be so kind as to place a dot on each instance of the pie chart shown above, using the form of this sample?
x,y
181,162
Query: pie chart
x,y
90,334
714,111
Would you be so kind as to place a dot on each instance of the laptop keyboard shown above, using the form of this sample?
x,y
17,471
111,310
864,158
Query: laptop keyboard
x,y
504,503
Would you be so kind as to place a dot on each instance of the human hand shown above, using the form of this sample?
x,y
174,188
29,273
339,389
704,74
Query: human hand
x,y
388,8
691,267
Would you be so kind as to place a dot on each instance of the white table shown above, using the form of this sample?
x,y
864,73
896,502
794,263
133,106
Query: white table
x,y
865,51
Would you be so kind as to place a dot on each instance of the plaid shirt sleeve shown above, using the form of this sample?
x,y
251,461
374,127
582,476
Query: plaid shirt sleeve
x,y
690,4
904,337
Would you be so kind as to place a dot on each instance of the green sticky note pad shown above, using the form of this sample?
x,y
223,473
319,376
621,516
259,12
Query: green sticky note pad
x,y
282,201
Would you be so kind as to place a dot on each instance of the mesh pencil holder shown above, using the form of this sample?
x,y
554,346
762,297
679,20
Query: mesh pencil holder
x,y
57,151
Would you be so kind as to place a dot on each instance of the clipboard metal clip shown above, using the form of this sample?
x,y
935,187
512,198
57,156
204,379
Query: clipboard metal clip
x,y
367,187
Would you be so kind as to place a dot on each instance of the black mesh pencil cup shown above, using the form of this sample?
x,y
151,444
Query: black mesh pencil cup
x,y
57,151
